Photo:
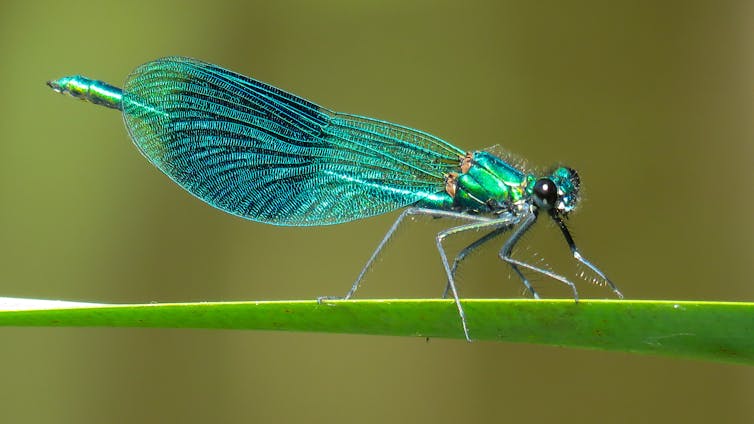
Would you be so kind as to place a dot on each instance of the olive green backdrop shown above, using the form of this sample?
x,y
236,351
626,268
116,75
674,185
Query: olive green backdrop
x,y
653,104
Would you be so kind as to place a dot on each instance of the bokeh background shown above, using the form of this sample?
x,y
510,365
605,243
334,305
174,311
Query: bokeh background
x,y
651,102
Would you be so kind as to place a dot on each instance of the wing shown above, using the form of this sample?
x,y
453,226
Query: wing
x,y
263,154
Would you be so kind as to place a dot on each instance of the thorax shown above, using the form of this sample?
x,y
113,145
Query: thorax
x,y
486,184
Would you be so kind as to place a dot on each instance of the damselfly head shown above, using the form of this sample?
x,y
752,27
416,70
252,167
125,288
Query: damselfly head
x,y
559,192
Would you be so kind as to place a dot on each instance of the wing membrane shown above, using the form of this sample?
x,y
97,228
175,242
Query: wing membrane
x,y
261,153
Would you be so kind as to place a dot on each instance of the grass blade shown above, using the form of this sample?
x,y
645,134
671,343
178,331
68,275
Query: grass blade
x,y
717,331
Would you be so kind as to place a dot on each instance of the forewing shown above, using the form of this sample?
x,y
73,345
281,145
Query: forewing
x,y
258,152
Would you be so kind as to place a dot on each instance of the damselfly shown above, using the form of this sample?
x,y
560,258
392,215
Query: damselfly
x,y
263,154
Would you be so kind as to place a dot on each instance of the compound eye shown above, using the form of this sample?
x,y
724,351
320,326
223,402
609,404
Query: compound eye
x,y
546,193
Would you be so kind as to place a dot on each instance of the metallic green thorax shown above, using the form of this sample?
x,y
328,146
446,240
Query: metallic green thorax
x,y
488,184
97,92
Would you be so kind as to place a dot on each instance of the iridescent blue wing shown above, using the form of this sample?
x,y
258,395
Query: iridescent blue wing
x,y
258,152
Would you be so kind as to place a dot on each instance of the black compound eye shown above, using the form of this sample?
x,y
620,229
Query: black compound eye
x,y
546,193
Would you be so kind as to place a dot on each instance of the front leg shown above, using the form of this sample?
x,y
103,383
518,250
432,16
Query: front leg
x,y
505,254
578,257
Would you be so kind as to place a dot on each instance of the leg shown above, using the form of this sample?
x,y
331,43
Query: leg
x,y
383,243
470,249
578,257
505,254
451,281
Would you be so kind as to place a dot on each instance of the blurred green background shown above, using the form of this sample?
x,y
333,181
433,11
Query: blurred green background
x,y
652,103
